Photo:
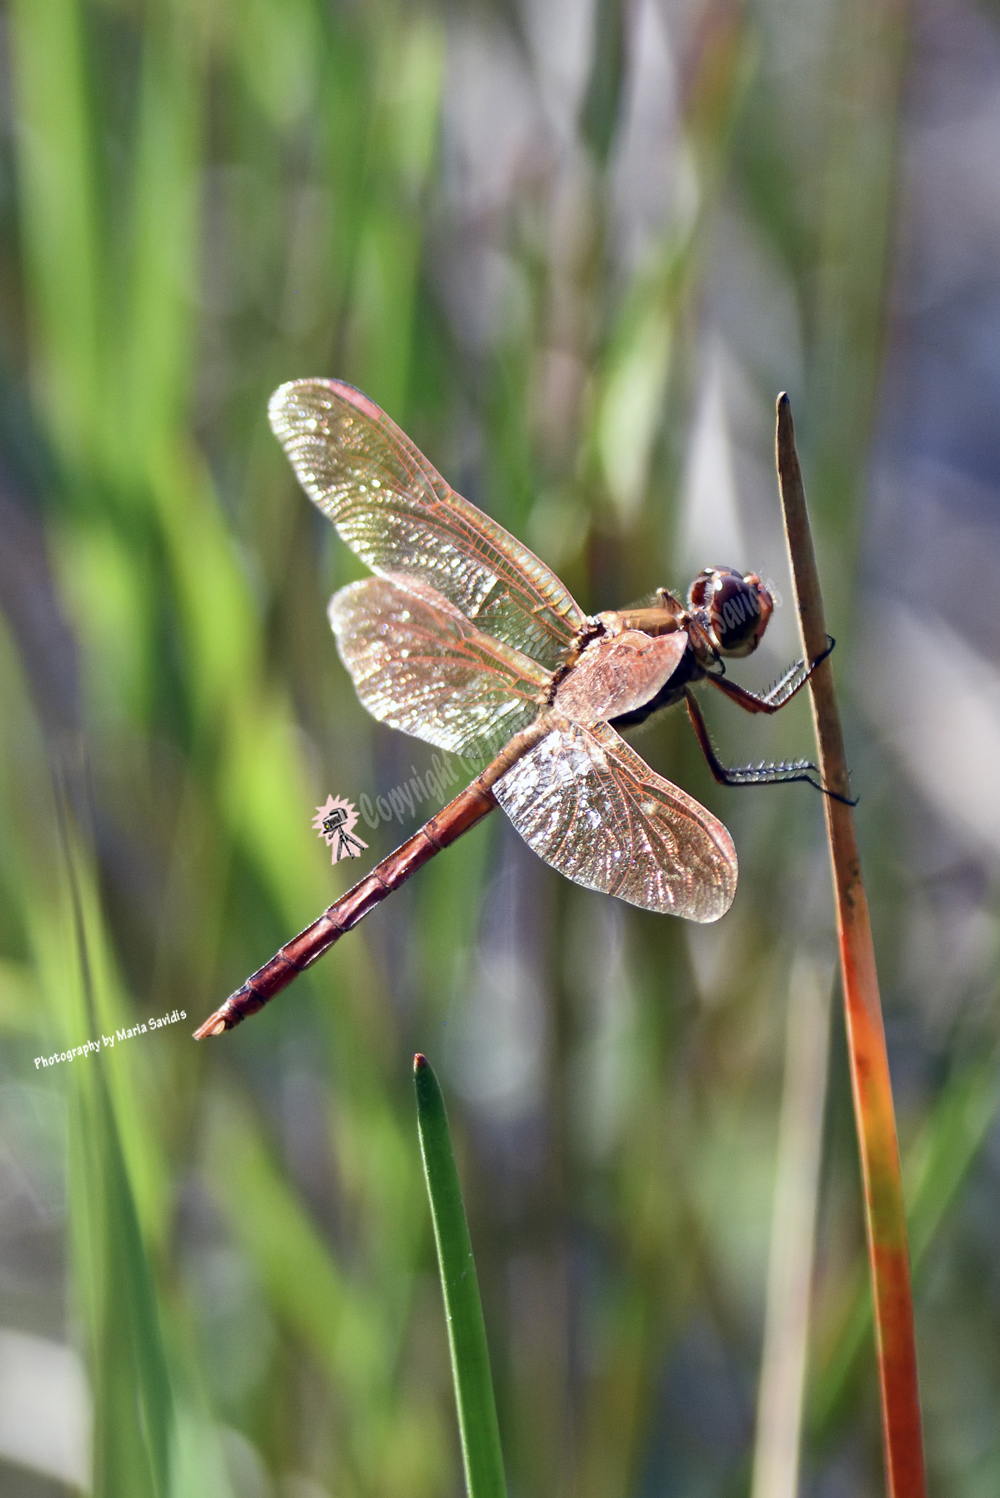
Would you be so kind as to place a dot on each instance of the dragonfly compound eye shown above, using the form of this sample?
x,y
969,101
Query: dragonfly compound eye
x,y
738,609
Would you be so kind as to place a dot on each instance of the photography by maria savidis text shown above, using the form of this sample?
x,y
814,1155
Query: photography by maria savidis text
x,y
90,1046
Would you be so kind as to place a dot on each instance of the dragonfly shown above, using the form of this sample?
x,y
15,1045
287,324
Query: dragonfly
x,y
464,638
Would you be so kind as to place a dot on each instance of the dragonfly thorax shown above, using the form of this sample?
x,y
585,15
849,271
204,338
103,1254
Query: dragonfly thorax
x,y
636,661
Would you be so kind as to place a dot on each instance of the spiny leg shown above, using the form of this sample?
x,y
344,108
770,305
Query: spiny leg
x,y
784,773
783,690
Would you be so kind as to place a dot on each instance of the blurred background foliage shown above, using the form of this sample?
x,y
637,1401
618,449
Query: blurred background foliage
x,y
574,247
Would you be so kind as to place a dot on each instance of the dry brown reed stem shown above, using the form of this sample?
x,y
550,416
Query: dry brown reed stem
x,y
869,1063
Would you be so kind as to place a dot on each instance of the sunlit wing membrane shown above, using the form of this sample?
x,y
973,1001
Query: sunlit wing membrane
x,y
617,676
587,804
422,667
397,513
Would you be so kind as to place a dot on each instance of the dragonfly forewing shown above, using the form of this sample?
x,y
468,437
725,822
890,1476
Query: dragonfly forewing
x,y
395,511
419,665
589,806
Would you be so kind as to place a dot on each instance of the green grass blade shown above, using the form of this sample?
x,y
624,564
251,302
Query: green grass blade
x,y
63,243
134,1405
470,1359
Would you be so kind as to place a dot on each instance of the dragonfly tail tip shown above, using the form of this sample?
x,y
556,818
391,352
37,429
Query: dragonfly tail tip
x,y
214,1025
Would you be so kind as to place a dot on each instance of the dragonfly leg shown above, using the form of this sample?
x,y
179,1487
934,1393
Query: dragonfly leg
x,y
783,690
786,772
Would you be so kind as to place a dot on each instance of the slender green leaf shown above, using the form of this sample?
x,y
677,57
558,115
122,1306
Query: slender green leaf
x,y
470,1358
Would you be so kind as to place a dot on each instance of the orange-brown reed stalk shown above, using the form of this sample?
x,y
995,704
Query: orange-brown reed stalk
x,y
869,1063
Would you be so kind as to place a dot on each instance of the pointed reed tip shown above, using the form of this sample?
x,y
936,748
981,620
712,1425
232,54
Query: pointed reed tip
x,y
420,1063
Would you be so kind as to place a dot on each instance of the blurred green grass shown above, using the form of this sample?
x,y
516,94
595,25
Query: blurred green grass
x,y
206,201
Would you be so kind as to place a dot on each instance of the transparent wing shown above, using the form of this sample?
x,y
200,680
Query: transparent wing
x,y
617,676
420,666
587,804
401,518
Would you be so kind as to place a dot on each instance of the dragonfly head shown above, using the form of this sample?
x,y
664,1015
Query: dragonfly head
x,y
734,606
